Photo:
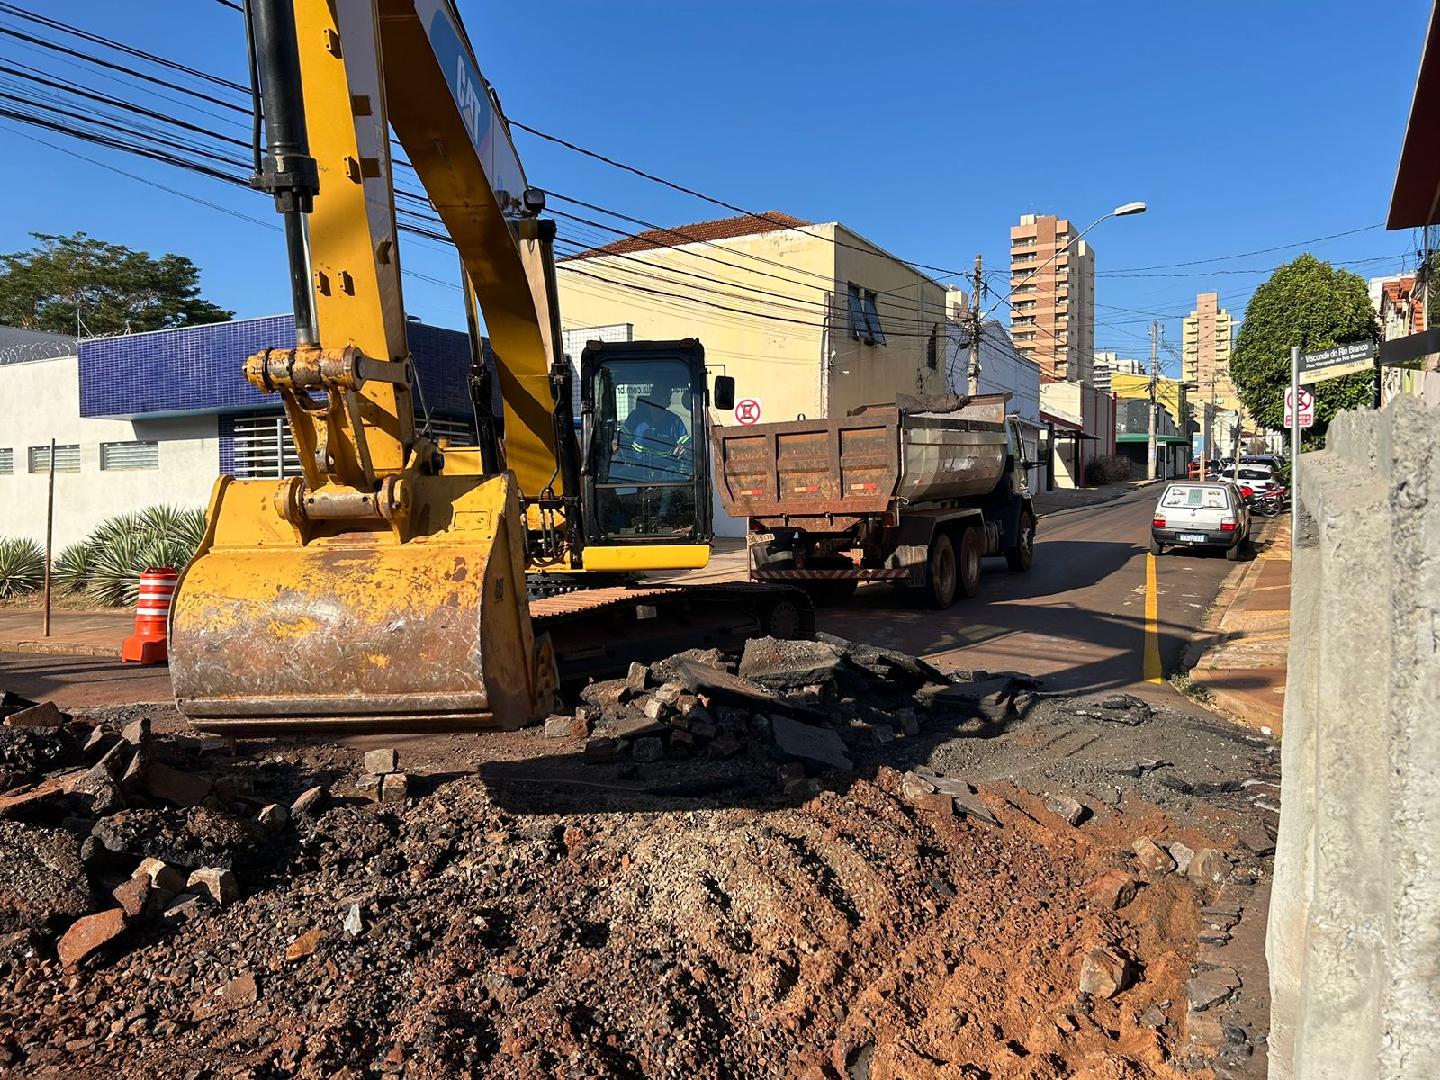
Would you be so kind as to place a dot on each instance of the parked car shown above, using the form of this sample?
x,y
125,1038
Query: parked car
x,y
1193,513
1272,460
1200,470
1259,478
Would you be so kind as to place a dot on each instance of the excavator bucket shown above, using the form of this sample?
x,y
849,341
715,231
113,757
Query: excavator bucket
x,y
417,624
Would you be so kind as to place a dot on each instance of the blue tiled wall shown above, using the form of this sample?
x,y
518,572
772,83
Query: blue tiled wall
x,y
200,369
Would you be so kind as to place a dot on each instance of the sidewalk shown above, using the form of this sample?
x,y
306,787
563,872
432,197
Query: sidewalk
x,y
72,633
1061,499
1243,667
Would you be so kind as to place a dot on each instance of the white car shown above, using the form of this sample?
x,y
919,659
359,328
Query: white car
x,y
1257,477
1201,513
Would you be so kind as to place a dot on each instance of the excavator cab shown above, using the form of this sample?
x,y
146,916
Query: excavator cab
x,y
643,422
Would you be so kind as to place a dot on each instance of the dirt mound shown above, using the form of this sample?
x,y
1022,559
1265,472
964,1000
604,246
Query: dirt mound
x,y
529,909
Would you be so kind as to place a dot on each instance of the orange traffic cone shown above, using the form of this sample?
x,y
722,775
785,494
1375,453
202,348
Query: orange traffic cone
x,y
152,611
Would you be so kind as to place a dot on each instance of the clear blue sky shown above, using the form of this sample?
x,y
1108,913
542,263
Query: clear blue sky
x,y
1244,125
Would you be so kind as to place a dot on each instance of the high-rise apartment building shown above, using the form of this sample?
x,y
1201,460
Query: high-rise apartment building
x,y
1209,334
1110,363
1052,308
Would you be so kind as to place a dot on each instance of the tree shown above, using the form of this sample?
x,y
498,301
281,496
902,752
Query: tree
x,y
1311,304
112,288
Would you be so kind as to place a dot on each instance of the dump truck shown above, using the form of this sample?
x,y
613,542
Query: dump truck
x,y
915,493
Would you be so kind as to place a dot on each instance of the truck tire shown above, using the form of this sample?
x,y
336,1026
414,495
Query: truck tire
x,y
972,549
1020,557
942,573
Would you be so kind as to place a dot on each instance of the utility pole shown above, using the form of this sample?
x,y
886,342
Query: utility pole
x,y
972,382
1151,455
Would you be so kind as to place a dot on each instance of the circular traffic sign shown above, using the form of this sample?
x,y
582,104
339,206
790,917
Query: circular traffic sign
x,y
747,411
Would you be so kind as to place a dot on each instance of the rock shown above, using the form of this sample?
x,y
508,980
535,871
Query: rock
x,y
780,664
791,770
724,688
937,803
308,801
668,670
89,934
649,748
907,721
133,896
1105,971
174,786
971,806
353,925
238,993
1153,859
1153,1017
42,879
46,714
914,786
102,788
606,696
654,708
185,907
636,679
1181,854
723,746
394,788
669,694
304,945
988,699
1112,889
137,732
559,727
196,837
1067,809
273,817
219,885
369,786
634,727
809,742
161,875
1123,709
1204,1032
132,780
599,748
1208,867
1211,987
45,797
380,762
1216,938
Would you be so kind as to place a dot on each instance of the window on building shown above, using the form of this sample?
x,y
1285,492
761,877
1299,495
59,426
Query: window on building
x,y
7,460
122,456
864,317
264,450
67,459
932,347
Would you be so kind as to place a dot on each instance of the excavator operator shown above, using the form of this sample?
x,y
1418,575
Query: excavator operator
x,y
653,441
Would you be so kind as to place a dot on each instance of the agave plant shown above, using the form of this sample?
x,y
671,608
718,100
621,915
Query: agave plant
x,y
124,546
71,568
22,566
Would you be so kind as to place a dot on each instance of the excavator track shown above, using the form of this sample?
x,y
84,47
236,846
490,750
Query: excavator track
x,y
597,633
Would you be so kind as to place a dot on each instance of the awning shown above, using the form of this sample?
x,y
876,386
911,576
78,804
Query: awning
x,y
1144,437
1060,421
1416,199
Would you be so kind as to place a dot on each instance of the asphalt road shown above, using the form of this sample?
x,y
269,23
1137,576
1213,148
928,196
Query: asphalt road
x,y
1077,618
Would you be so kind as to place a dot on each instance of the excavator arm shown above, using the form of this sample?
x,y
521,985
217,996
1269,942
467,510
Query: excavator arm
x,y
386,586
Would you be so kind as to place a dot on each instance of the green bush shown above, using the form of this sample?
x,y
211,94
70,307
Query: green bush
x,y
1110,469
71,568
123,547
22,566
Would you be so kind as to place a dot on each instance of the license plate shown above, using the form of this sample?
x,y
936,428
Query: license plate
x,y
1192,538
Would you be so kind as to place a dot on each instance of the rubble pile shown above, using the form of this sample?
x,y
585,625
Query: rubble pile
x,y
814,859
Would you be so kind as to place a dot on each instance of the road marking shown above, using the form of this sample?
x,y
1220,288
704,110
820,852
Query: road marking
x,y
1153,671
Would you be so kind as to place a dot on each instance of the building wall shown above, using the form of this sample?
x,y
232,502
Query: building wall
x,y
41,400
1053,311
1109,363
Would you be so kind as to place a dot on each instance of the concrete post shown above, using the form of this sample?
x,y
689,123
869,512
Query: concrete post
x,y
1354,935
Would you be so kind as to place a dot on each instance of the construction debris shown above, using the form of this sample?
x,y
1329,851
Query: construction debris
x,y
810,859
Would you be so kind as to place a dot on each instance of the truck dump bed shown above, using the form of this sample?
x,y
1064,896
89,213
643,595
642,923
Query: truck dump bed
x,y
857,465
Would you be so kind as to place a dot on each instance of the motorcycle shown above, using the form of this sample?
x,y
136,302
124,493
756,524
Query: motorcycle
x,y
1270,503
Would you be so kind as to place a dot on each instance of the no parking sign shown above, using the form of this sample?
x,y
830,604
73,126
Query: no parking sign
x,y
747,411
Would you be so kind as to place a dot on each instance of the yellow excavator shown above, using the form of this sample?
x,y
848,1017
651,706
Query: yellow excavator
x,y
397,583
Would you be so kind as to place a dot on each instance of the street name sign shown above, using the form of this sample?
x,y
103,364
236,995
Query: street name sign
x,y
1346,359
1307,408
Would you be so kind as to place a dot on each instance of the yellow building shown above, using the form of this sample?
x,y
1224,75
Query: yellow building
x,y
1169,393
810,319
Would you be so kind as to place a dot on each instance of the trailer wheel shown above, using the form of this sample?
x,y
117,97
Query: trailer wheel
x,y
941,573
972,547
1020,557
